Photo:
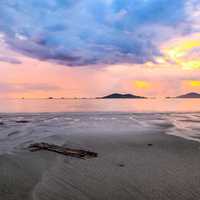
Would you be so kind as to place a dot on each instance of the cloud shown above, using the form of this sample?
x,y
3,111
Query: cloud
x,y
27,87
183,51
85,32
192,10
10,60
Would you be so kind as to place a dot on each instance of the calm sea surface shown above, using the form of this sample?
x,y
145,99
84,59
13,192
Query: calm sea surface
x,y
180,117
99,105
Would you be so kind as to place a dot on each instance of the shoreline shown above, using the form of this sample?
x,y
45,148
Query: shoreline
x,y
172,123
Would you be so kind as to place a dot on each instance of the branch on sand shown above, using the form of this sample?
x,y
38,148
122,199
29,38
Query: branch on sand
x,y
78,153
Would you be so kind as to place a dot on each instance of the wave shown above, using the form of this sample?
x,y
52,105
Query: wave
x,y
53,127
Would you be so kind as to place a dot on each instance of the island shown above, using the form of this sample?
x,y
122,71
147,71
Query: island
x,y
191,95
121,96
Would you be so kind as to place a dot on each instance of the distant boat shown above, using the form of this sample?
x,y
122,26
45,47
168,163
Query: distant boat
x,y
122,96
50,98
189,95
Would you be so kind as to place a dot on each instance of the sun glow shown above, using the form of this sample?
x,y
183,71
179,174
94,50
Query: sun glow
x,y
141,84
193,83
184,52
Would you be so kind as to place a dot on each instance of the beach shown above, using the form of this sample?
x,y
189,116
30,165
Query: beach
x,y
99,100
140,156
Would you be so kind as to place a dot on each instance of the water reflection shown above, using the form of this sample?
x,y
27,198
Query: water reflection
x,y
100,105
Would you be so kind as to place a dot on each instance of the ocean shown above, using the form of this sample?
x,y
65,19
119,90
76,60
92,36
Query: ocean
x,y
99,105
52,120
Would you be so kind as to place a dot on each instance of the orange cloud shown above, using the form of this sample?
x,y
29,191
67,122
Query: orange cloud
x,y
183,51
193,83
141,84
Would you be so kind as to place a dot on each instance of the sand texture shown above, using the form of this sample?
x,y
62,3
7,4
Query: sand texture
x,y
135,161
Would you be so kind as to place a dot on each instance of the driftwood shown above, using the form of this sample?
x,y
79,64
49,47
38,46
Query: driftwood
x,y
78,153
22,121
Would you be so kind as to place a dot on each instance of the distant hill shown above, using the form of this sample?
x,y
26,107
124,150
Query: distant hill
x,y
122,96
189,95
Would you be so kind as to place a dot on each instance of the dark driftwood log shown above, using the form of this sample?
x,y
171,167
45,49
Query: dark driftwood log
x,y
22,121
78,153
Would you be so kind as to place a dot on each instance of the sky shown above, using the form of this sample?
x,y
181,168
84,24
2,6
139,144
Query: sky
x,y
89,48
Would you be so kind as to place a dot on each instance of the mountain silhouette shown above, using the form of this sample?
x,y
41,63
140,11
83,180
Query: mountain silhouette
x,y
122,96
189,95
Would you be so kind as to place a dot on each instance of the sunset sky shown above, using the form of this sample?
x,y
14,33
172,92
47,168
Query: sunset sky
x,y
88,48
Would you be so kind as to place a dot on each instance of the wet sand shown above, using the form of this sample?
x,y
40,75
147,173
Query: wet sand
x,y
152,166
